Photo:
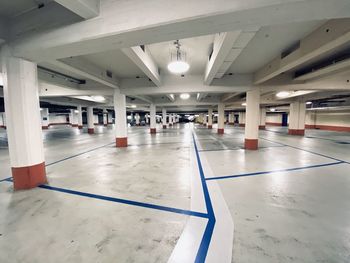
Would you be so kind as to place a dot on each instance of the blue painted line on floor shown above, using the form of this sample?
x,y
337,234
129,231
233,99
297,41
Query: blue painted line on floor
x,y
301,149
125,201
273,171
8,179
204,245
78,154
238,148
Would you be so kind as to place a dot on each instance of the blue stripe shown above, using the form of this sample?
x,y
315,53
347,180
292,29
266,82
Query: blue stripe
x,y
76,155
204,245
8,179
125,201
274,171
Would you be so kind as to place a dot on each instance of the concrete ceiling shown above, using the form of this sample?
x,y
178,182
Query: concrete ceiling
x,y
117,62
268,43
196,48
12,8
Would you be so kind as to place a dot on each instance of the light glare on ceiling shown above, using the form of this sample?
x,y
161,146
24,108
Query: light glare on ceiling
x,y
272,109
98,98
184,96
178,67
244,104
308,102
283,94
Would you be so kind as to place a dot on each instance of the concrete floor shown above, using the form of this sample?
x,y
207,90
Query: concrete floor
x,y
288,200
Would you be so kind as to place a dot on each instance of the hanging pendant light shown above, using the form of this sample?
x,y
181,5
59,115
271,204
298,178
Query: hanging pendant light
x,y
178,64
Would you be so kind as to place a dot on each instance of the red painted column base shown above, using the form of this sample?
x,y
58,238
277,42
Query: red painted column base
x,y
152,130
74,125
44,127
242,125
29,176
251,144
80,127
296,132
220,131
210,126
121,142
91,130
164,126
262,127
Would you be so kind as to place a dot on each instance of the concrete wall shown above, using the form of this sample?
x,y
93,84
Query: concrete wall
x,y
55,119
274,119
328,120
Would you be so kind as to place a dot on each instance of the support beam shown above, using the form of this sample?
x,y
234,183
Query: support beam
x,y
171,97
83,8
326,38
210,118
80,117
164,118
221,118
45,121
121,132
201,96
297,113
143,59
252,121
153,119
23,121
262,121
90,120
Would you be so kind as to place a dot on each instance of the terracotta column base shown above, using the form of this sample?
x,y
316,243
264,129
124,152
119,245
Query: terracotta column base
x,y
91,130
261,127
44,127
220,131
210,126
251,144
242,125
153,130
80,127
29,176
296,132
121,142
164,127
74,125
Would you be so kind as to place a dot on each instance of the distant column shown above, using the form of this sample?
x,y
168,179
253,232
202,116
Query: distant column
x,y
105,117
221,118
45,122
210,118
153,118
80,117
164,118
262,123
121,132
297,112
90,120
252,120
241,119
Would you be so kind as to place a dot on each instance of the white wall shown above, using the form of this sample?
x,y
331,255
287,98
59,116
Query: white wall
x,y
273,118
333,120
57,119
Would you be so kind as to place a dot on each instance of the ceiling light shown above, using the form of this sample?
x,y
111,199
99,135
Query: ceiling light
x,y
283,94
178,64
272,109
244,104
308,102
133,106
184,96
98,98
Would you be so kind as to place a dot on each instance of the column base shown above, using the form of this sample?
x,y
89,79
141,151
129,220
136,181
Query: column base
x,y
105,125
91,130
242,125
251,144
210,126
299,132
121,142
152,130
261,127
220,131
28,177
80,127
164,126
44,127
75,125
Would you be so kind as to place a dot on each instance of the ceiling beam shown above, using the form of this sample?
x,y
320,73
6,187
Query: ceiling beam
x,y
171,97
326,38
119,26
143,98
143,59
83,8
229,96
201,96
87,70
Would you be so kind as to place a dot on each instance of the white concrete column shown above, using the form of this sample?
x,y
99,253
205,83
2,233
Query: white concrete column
x,y
252,120
146,118
210,118
204,119
80,117
23,121
262,122
153,118
121,132
221,118
90,120
110,118
241,119
164,118
45,122
137,119
105,118
170,120
297,111
231,118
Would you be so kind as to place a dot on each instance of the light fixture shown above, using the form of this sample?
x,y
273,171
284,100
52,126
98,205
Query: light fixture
x,y
308,103
244,104
133,106
178,64
98,98
272,109
184,96
283,94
